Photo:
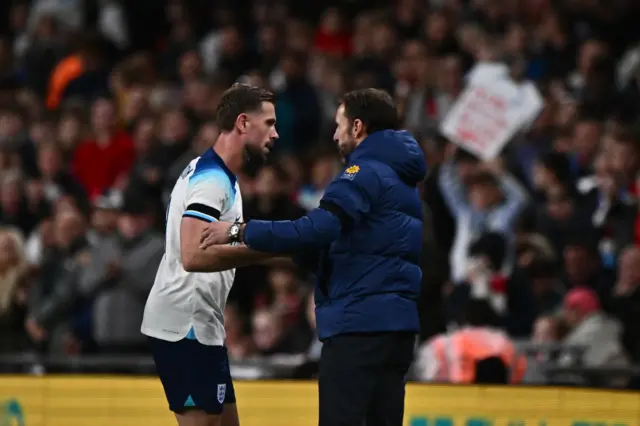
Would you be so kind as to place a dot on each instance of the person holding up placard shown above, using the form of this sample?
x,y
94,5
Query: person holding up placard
x,y
491,201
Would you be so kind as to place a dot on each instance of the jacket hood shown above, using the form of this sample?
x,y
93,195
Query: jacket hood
x,y
396,148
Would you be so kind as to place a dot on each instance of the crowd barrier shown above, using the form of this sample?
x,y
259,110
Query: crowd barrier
x,y
132,401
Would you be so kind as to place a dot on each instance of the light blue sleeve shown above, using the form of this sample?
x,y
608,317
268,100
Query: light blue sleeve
x,y
516,200
452,190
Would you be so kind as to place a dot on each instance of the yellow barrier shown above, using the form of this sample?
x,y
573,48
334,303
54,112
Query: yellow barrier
x,y
126,401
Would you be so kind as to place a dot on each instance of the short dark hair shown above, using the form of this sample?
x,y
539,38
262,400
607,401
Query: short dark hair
x,y
492,245
374,107
239,99
558,164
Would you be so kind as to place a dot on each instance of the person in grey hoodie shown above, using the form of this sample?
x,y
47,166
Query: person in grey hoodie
x,y
593,330
120,276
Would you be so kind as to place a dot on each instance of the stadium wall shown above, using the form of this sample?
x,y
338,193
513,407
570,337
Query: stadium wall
x,y
133,401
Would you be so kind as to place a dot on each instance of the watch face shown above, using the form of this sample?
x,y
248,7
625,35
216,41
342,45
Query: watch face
x,y
233,231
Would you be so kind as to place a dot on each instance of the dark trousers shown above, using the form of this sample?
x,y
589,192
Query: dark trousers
x,y
362,379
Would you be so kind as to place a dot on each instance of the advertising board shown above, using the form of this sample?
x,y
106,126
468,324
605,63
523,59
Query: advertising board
x,y
129,401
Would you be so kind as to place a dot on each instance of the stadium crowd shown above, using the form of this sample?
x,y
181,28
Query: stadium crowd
x,y
102,105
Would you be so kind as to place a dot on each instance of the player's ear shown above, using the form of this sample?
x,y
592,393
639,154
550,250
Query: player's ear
x,y
357,128
241,123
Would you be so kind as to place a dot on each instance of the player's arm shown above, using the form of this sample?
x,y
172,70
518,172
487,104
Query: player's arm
x,y
207,197
345,202
214,258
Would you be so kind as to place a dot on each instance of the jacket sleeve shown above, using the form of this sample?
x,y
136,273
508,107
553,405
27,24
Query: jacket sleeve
x,y
345,202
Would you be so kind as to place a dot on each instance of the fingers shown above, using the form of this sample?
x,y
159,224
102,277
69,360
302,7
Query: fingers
x,y
205,233
208,242
214,233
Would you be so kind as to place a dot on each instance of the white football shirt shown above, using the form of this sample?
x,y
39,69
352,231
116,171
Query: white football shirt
x,y
188,304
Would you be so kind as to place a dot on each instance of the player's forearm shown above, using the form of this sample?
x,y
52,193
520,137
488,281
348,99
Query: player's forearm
x,y
317,229
222,257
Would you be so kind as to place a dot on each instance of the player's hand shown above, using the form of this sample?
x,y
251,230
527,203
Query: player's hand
x,y
215,233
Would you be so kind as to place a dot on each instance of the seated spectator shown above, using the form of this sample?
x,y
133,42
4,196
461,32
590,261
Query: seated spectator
x,y
55,179
14,209
548,332
147,174
549,329
547,289
238,342
119,276
272,337
267,332
105,159
551,170
561,215
625,303
323,170
40,243
592,329
13,291
510,295
51,322
582,266
531,246
104,218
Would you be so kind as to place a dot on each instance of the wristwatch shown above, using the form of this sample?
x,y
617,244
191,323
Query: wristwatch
x,y
234,232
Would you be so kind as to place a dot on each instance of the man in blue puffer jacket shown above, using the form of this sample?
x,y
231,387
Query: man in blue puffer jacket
x,y
364,244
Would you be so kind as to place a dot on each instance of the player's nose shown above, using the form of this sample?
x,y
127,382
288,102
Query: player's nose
x,y
274,135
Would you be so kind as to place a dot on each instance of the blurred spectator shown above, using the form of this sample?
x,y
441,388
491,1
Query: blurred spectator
x,y
323,170
546,288
13,290
238,342
593,329
270,334
625,304
509,295
14,206
491,200
119,277
51,320
55,179
105,158
549,329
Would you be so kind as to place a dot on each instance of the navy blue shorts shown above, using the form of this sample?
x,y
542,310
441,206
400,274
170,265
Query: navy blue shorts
x,y
194,376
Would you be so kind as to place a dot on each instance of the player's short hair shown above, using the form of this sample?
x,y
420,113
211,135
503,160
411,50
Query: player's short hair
x,y
374,107
240,99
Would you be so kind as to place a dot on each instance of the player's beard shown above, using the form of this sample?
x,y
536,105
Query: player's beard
x,y
254,159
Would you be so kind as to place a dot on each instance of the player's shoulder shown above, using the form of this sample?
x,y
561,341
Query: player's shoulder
x,y
209,168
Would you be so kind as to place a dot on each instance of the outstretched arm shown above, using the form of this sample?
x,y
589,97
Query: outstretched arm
x,y
346,201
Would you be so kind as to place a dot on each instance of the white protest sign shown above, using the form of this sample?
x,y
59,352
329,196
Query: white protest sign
x,y
490,111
